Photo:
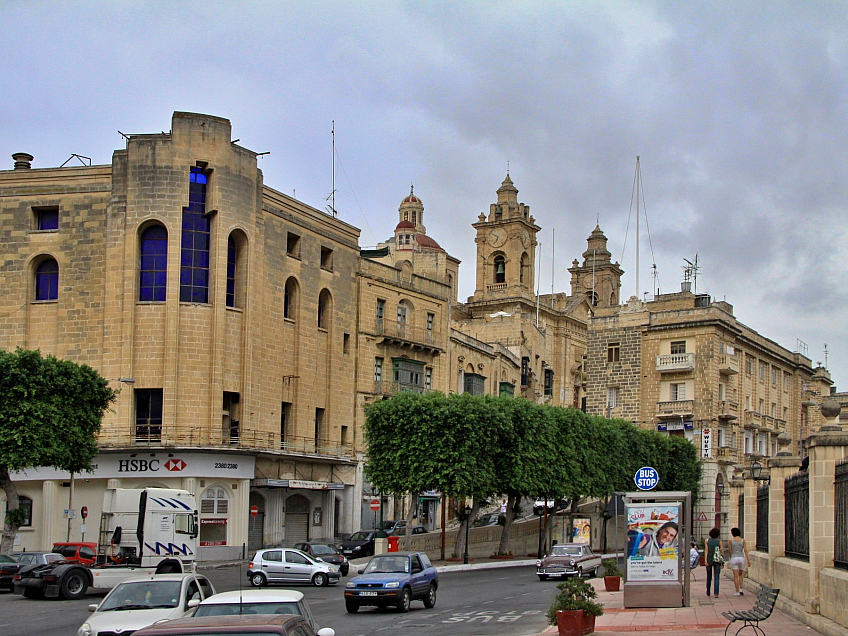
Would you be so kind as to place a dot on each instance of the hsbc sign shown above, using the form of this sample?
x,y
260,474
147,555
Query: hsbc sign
x,y
150,465
175,465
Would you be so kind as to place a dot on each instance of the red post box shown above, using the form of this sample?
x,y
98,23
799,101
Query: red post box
x,y
393,544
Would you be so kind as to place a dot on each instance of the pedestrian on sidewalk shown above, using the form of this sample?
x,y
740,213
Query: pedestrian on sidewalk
x,y
714,563
739,559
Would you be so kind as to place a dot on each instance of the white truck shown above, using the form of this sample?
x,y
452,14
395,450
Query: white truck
x,y
142,531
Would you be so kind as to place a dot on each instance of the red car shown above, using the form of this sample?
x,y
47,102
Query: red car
x,y
77,552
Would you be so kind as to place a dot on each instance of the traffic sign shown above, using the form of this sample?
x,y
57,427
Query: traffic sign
x,y
84,512
375,505
702,516
646,478
254,510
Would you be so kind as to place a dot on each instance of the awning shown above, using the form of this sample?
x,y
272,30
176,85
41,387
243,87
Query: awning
x,y
295,483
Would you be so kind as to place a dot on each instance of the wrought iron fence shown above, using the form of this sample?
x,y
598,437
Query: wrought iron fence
x,y
840,520
797,519
762,542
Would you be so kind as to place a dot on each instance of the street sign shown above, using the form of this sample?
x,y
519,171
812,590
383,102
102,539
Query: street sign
x,y
254,510
375,505
70,513
702,516
84,512
646,478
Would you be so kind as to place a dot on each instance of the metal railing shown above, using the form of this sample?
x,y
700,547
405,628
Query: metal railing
x,y
405,331
797,519
840,518
393,388
196,436
762,538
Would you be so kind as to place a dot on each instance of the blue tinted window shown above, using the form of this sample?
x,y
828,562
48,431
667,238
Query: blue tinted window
x,y
153,270
231,272
194,257
47,280
48,218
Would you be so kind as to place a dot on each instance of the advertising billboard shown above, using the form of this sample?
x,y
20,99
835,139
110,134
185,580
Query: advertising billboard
x,y
652,541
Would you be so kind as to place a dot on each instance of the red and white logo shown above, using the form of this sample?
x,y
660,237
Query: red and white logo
x,y
175,465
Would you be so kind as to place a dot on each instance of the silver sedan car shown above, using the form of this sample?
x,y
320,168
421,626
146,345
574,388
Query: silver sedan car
x,y
287,565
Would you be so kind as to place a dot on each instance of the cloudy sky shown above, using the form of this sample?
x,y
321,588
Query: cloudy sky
x,y
737,110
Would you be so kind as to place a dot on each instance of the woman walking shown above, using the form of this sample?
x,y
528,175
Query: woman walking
x,y
739,559
711,546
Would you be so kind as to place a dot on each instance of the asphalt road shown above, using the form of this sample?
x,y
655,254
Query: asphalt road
x,y
504,602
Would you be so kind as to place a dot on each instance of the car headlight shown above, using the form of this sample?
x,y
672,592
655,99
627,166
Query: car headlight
x,y
350,584
393,584
333,568
84,630
538,562
572,562
357,548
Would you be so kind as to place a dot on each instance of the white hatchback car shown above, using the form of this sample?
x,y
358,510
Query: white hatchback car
x,y
259,601
142,601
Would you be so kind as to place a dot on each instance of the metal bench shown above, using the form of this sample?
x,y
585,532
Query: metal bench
x,y
766,598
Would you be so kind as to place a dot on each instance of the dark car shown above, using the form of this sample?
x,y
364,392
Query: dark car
x,y
77,552
491,519
8,568
264,624
36,558
567,559
326,552
396,578
401,532
360,544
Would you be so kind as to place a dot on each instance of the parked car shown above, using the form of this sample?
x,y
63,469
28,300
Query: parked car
x,y
256,601
36,558
32,563
390,525
8,568
77,552
360,544
287,565
396,578
328,552
491,519
552,504
264,624
401,532
142,601
568,559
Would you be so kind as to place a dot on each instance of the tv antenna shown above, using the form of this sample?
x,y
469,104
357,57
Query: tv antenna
x,y
690,275
332,196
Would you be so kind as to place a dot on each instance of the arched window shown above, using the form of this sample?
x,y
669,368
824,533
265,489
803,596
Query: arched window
x,y
324,309
47,280
214,509
290,299
524,273
500,269
232,254
153,265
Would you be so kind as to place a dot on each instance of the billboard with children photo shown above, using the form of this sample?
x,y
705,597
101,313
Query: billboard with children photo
x,y
652,542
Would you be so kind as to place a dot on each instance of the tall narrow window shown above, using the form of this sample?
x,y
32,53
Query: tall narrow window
x,y
324,309
428,378
231,418
613,352
549,382
381,314
148,415
194,261
319,429
677,392
285,415
525,371
25,506
500,269
378,370
153,268
612,397
290,300
47,280
231,271
431,318
401,318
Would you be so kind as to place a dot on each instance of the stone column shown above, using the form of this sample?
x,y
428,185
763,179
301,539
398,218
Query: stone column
x,y
826,448
780,468
750,529
49,504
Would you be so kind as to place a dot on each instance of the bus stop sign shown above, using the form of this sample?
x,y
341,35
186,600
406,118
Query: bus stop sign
x,y
646,478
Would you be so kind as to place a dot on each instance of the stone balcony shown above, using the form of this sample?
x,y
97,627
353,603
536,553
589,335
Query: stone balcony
x,y
410,337
675,409
752,420
728,410
727,455
728,364
676,362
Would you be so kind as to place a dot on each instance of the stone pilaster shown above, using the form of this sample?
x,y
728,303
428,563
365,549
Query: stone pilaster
x,y
49,505
779,469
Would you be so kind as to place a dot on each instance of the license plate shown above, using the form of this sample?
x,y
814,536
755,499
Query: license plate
x,y
368,593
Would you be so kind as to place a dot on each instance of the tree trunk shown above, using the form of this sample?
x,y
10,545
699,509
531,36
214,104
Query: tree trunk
x,y
10,526
510,517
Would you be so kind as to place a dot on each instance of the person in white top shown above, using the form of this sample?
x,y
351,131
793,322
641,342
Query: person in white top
x,y
739,559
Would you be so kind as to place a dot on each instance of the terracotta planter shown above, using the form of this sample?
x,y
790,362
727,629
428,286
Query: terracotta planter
x,y
574,623
612,583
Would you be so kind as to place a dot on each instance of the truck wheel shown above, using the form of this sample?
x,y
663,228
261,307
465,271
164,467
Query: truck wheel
x,y
352,607
31,592
74,585
257,579
320,580
405,599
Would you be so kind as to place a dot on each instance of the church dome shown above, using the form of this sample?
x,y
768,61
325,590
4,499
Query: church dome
x,y
425,241
405,225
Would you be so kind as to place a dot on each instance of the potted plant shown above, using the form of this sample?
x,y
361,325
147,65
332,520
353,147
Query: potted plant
x,y
573,610
612,575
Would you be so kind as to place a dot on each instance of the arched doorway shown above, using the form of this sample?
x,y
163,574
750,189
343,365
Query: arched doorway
x,y
256,525
297,520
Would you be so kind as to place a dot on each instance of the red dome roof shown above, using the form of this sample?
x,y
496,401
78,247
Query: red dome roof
x,y
425,241
405,224
411,199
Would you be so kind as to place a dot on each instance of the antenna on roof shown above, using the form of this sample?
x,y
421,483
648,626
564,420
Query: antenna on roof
x,y
825,355
332,195
690,276
81,159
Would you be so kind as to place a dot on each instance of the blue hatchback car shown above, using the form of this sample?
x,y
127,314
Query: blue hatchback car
x,y
396,578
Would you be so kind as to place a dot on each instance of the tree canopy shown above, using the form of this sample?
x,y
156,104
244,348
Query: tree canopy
x,y
50,413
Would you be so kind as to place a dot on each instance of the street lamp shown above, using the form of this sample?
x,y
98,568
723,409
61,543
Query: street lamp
x,y
757,472
467,520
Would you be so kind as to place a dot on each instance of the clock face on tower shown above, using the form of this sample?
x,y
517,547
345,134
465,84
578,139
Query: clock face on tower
x,y
525,238
497,237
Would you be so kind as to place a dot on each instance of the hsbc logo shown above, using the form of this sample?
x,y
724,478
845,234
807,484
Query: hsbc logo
x,y
149,465
175,465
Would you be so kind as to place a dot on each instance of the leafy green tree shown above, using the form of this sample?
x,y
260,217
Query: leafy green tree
x,y
50,413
